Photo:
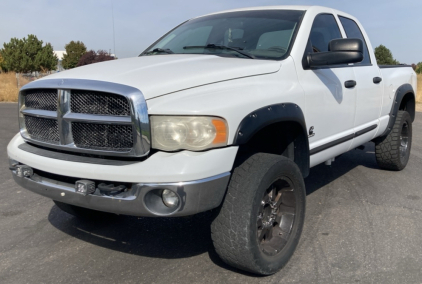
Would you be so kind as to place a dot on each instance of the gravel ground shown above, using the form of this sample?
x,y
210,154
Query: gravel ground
x,y
362,226
419,107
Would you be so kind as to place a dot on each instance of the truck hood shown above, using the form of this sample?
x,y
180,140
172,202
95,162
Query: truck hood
x,y
163,74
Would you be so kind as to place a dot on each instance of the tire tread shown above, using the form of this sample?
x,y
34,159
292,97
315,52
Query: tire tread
x,y
227,232
387,151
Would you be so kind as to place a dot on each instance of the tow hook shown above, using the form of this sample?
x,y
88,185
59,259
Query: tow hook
x,y
13,166
111,189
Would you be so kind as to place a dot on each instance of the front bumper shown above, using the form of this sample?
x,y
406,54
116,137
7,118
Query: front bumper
x,y
143,199
200,179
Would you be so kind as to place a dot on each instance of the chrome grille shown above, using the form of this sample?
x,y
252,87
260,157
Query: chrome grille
x,y
42,129
92,117
91,102
45,99
107,137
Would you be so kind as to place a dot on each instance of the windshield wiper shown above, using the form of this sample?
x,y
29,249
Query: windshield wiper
x,y
211,45
160,50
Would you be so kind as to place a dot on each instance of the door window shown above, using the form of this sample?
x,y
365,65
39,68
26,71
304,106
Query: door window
x,y
353,31
324,29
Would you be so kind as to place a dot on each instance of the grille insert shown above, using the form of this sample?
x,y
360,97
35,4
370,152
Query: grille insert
x,y
107,137
45,99
42,129
85,116
91,102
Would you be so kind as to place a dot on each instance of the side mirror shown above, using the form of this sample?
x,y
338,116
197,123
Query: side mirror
x,y
341,51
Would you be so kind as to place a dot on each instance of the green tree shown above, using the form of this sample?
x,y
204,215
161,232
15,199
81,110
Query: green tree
x,y
384,56
12,54
419,68
19,54
74,51
28,55
1,62
46,59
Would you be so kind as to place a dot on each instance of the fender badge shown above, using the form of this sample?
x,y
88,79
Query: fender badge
x,y
311,132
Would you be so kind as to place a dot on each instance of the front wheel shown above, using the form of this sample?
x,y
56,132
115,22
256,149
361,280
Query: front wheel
x,y
261,219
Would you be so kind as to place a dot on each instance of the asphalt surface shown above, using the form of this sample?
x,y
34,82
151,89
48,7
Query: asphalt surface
x,y
363,225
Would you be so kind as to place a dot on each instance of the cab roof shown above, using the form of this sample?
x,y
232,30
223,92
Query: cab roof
x,y
280,7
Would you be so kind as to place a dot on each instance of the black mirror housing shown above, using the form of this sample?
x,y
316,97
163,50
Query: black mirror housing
x,y
341,51
346,44
334,58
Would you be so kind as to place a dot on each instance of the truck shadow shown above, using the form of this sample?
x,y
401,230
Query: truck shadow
x,y
152,237
322,175
173,238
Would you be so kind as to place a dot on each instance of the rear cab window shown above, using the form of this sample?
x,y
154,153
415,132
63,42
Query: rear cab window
x,y
353,31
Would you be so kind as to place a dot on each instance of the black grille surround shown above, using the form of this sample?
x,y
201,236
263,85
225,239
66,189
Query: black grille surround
x,y
44,99
92,102
42,129
90,118
106,137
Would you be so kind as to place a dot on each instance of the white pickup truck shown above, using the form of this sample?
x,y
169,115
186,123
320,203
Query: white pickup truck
x,y
227,111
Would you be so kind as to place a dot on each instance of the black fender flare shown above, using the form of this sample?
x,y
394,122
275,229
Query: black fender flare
x,y
265,116
398,98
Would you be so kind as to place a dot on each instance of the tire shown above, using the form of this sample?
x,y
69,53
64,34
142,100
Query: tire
x,y
83,213
246,217
393,151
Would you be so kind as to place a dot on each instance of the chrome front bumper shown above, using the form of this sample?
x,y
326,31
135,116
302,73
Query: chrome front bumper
x,y
140,200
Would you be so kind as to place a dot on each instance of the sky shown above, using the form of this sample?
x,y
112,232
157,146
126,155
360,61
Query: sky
x,y
396,24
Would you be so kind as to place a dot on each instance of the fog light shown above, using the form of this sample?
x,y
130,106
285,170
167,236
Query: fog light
x,y
170,198
85,187
24,171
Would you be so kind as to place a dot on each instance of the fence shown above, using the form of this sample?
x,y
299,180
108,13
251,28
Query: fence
x,y
10,83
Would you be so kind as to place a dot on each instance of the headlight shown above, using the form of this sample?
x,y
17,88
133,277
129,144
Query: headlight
x,y
170,133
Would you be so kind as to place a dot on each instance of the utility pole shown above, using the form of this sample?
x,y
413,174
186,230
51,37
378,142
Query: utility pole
x,y
17,80
114,38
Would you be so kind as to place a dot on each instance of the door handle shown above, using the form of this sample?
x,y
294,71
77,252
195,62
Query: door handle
x,y
377,80
350,84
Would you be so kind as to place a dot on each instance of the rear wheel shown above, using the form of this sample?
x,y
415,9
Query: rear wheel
x,y
393,151
261,219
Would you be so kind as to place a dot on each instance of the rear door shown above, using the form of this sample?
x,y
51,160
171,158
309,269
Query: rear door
x,y
368,85
330,105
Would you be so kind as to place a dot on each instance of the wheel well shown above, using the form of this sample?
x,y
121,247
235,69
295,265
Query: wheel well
x,y
408,104
285,138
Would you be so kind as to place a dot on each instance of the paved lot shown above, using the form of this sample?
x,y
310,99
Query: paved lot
x,y
363,225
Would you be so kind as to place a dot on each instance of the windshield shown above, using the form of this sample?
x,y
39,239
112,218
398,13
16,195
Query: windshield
x,y
265,34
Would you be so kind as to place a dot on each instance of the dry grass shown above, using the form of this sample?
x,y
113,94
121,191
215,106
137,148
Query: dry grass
x,y
419,92
8,87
